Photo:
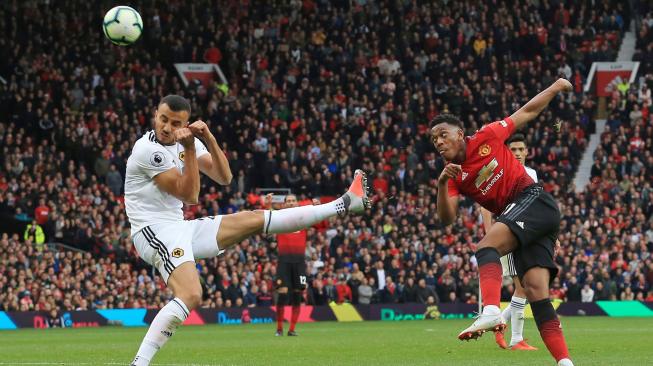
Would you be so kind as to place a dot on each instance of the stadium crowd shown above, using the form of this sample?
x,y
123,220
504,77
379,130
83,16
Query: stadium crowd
x,y
317,88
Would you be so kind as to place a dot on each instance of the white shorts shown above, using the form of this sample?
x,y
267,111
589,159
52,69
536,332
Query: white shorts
x,y
508,264
166,246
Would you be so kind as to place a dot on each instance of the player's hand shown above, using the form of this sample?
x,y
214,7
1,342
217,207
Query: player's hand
x,y
564,85
200,129
450,171
268,200
185,137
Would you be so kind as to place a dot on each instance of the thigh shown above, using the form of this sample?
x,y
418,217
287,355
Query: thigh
x,y
299,276
169,245
538,254
238,227
185,282
205,231
284,275
532,216
499,237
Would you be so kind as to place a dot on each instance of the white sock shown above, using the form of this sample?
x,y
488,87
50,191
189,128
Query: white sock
x,y
505,314
162,328
296,218
517,305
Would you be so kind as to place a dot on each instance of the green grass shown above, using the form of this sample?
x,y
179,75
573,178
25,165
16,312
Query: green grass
x,y
592,341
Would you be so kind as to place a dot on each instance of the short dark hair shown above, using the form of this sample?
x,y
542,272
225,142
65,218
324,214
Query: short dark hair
x,y
448,119
518,137
176,103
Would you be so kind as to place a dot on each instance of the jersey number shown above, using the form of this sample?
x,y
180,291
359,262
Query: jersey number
x,y
486,173
302,280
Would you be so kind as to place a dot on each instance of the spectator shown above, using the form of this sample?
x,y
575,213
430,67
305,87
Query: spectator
x,y
424,292
365,293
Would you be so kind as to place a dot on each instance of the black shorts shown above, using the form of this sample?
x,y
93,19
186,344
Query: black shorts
x,y
534,218
291,275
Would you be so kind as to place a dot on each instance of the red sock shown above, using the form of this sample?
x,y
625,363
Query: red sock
x,y
490,277
293,318
551,333
280,315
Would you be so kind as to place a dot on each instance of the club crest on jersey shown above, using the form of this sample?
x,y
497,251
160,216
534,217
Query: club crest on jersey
x,y
484,150
177,252
465,174
181,155
157,159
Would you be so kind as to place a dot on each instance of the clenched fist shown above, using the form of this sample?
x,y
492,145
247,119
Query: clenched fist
x,y
564,85
185,137
450,171
200,129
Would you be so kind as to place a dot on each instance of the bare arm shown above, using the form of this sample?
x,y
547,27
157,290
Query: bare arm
x,y
186,186
487,219
447,206
534,106
215,164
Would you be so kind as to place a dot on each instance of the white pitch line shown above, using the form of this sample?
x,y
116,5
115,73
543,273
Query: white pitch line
x,y
109,363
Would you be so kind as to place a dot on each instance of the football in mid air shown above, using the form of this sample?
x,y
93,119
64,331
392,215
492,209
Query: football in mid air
x,y
122,25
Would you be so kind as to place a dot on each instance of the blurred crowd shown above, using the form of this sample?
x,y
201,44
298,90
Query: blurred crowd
x,y
316,90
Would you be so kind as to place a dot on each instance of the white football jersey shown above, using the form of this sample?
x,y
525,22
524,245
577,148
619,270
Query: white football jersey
x,y
532,173
145,203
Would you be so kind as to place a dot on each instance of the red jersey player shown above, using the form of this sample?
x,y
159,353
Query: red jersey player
x,y
482,167
291,270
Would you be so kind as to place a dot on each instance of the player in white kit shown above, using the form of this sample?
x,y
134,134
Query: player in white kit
x,y
163,174
514,313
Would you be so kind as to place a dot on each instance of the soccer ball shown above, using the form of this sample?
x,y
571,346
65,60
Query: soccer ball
x,y
122,25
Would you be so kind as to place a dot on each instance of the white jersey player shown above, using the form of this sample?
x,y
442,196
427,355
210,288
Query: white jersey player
x,y
514,313
163,174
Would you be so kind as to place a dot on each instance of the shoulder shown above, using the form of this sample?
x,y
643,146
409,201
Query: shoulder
x,y
147,150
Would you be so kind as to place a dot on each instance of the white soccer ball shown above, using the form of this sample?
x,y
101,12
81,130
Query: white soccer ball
x,y
122,25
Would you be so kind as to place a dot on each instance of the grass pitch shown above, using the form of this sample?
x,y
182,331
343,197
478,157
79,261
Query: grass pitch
x,y
592,341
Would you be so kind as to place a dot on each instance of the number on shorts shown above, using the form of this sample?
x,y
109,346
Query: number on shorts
x,y
302,280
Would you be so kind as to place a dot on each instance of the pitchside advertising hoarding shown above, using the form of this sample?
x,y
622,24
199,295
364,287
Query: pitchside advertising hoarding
x,y
333,312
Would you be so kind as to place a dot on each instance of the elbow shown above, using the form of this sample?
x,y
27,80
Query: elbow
x,y
192,200
225,181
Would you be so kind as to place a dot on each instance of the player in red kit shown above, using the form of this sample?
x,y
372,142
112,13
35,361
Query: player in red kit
x,y
291,270
482,167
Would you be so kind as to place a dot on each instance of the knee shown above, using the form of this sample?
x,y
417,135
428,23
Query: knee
x,y
534,291
192,298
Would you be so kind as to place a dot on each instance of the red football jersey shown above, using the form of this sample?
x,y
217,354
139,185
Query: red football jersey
x,y
491,175
292,246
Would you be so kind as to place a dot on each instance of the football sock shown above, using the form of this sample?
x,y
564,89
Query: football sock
x,y
296,218
550,328
162,328
490,271
295,316
517,305
282,300
296,303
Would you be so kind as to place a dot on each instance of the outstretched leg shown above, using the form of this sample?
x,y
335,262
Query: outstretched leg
x,y
236,227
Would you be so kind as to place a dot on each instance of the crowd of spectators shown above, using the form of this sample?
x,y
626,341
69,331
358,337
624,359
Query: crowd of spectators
x,y
317,89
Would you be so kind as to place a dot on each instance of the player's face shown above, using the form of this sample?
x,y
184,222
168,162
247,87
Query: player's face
x,y
167,121
448,141
291,201
518,149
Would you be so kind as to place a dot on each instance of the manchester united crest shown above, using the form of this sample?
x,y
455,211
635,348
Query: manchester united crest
x,y
484,150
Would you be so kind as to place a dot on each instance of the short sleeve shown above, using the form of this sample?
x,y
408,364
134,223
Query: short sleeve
x,y
152,159
500,129
200,148
453,189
